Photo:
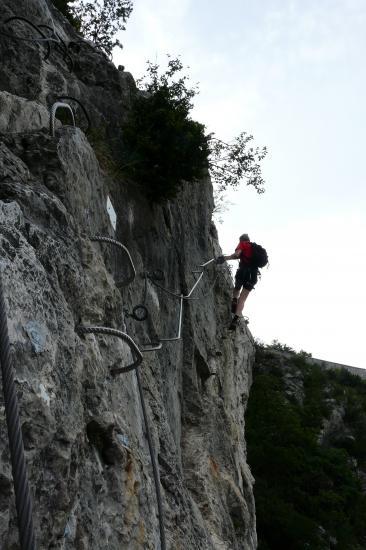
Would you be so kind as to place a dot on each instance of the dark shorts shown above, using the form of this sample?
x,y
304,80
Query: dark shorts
x,y
246,277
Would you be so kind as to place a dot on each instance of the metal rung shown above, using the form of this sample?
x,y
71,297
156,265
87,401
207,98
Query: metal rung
x,y
154,347
119,245
55,106
178,337
194,286
82,329
209,262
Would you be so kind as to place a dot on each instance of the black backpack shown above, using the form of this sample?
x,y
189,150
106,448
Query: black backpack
x,y
260,256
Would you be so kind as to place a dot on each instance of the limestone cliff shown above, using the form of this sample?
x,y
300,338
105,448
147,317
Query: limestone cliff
x,y
88,461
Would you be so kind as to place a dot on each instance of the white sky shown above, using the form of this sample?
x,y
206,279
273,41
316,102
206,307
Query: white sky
x,y
292,73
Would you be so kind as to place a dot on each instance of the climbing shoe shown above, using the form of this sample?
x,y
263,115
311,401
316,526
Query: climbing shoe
x,y
234,323
234,303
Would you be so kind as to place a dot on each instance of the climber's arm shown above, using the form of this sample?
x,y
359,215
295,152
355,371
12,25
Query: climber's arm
x,y
222,259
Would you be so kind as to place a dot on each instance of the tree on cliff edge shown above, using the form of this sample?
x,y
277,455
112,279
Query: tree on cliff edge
x,y
165,146
98,21
64,6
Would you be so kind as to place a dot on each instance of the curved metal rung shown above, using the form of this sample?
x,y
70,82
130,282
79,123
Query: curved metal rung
x,y
55,106
82,329
86,114
54,37
113,242
34,27
60,43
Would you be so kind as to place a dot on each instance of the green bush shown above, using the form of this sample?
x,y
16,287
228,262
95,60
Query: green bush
x,y
163,146
307,493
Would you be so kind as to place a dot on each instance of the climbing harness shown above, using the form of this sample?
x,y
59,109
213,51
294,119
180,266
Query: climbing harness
x,y
20,479
55,106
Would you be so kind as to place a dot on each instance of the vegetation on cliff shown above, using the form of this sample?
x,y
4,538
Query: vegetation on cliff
x,y
306,435
164,146
98,21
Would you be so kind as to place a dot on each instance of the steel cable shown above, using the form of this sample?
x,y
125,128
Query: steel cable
x,y
113,242
53,39
153,463
205,294
81,329
8,35
136,353
23,498
60,44
170,292
188,296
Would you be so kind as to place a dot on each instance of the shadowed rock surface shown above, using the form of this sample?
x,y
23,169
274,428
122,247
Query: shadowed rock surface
x,y
89,466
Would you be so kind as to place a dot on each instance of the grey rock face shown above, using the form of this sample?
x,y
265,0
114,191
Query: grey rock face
x,y
84,435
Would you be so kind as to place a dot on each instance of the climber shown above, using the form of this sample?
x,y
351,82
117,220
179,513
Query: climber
x,y
245,277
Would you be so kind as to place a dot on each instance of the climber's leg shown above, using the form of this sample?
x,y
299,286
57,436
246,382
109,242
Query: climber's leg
x,y
234,301
243,296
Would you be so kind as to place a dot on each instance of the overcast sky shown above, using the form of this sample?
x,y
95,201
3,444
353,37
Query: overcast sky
x,y
292,73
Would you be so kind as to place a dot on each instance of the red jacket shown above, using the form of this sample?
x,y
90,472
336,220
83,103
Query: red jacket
x,y
246,252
